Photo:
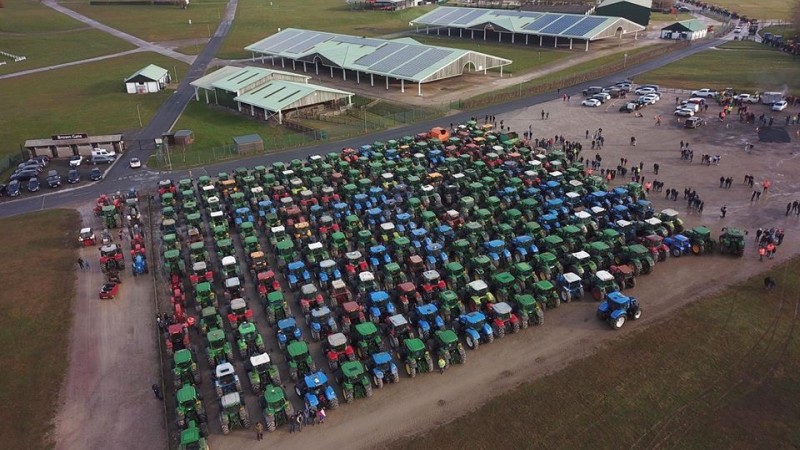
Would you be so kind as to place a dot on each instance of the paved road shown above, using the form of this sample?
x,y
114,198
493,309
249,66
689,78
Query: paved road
x,y
121,178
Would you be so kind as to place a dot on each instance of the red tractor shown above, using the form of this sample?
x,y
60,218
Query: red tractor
x,y
356,263
352,314
86,237
624,276
407,296
310,298
338,350
177,338
432,285
267,283
340,294
137,246
166,186
239,313
111,254
502,318
655,243
178,297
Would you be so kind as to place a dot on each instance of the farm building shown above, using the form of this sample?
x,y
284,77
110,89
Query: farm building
x,y
265,93
249,143
514,26
685,30
637,11
559,7
149,79
404,60
66,145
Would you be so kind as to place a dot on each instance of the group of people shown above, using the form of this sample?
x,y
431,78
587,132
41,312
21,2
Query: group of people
x,y
793,208
768,241
306,416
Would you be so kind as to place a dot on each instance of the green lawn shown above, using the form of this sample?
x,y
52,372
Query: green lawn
x,y
88,98
524,58
663,17
787,31
30,16
760,9
46,49
257,19
34,326
740,65
157,23
722,372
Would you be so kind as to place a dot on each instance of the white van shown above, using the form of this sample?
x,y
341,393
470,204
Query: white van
x,y
103,152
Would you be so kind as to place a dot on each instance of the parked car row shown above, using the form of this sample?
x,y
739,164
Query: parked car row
x,y
30,181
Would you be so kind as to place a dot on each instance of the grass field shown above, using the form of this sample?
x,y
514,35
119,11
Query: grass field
x,y
760,9
524,58
88,98
157,23
663,17
36,305
30,16
257,19
723,372
737,64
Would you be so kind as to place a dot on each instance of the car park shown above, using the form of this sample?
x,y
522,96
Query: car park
x,y
684,112
96,174
693,106
73,176
24,175
591,102
780,106
75,161
33,184
100,159
53,179
135,163
12,190
591,90
705,93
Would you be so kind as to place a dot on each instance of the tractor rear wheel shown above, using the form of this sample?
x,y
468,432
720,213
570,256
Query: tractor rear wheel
x,y
524,320
500,332
224,424
378,382
565,296
368,390
632,282
539,317
490,338
394,342
333,403
676,252
515,328
662,255
348,396
245,417
471,343
637,314
410,370
462,355
270,419
619,322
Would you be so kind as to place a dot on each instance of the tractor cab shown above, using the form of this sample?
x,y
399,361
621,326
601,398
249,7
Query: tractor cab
x,y
287,331
86,237
479,295
617,309
239,312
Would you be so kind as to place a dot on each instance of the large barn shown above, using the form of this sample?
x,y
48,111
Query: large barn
x,y
634,10
265,93
549,29
686,30
404,60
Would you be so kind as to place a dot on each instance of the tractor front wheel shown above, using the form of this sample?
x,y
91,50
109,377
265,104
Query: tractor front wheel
x,y
676,252
565,296
471,343
619,322
410,370
500,332
515,328
637,314
378,382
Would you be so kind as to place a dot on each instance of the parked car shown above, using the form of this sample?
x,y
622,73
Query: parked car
x,y
647,99
747,98
30,165
75,161
684,9
591,90
102,160
780,106
135,163
96,174
24,175
44,159
591,102
644,91
694,122
705,93
630,107
602,96
684,112
652,98
33,184
693,106
73,176
53,179
12,190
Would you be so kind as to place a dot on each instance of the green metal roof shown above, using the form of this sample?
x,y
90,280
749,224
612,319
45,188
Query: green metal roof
x,y
277,95
691,25
576,26
404,58
236,79
643,3
152,72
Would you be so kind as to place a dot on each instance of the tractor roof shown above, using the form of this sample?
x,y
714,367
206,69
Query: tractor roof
x,y
571,277
275,296
186,393
523,267
654,239
702,231
86,230
544,285
619,298
414,345
448,296
583,215
654,221
447,336
230,400
296,265
494,244
315,246
624,269
478,285
297,348
352,369
525,299
199,266
502,308
247,327
208,311
571,229
308,289
378,296
230,283
238,303
547,257
327,264
258,360
580,255
503,278
216,335
189,436
108,248
315,380
398,320
430,275
381,358
228,260
553,239
620,208
575,183
734,232
224,369
475,317
604,275
670,213
350,307
597,210
555,173
427,309
337,339
274,394
638,249
366,277
623,223
288,322
278,229
387,226
338,284
182,356
454,266
215,214
320,312
366,328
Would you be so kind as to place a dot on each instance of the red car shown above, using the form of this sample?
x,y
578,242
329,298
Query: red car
x,y
109,291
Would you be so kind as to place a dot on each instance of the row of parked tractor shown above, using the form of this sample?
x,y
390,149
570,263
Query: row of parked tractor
x,y
415,245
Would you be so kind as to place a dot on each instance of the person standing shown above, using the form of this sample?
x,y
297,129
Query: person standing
x,y
655,168
321,415
157,392
442,364
788,208
81,263
259,431
724,210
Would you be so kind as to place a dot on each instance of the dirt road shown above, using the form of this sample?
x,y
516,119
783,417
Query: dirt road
x,y
572,331
107,401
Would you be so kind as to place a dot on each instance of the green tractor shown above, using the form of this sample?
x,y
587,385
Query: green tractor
x,y
701,240
209,319
601,283
545,294
479,295
523,273
415,357
546,265
233,413
556,245
528,310
480,267
447,347
277,307
278,410
300,361
638,256
457,278
354,381
671,221
580,263
204,296
173,263
367,340
573,237
190,410
192,438
184,369
450,306
732,241
262,373
219,350
505,286
601,254
249,340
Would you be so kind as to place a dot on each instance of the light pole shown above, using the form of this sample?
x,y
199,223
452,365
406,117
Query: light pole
x,y
625,60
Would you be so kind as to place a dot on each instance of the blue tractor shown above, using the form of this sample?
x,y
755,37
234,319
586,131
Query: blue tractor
x,y
340,211
420,239
315,392
620,212
383,369
523,248
436,157
497,252
678,245
435,256
378,257
380,306
322,323
426,317
549,222
297,274
287,331
328,271
374,218
404,224
242,215
140,265
556,205
617,308
474,328
362,203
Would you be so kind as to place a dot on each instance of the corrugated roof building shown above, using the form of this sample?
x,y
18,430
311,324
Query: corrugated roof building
x,y
149,79
637,11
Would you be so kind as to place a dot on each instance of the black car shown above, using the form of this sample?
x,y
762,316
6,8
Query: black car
x,y
33,184
96,174
12,190
73,177
44,159
53,179
24,175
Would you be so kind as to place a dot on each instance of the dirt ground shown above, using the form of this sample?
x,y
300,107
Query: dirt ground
x,y
572,331
107,401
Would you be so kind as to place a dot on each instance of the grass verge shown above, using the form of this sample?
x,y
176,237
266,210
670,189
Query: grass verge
x,y
36,305
723,372
666,17
712,68
761,9
30,16
88,98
